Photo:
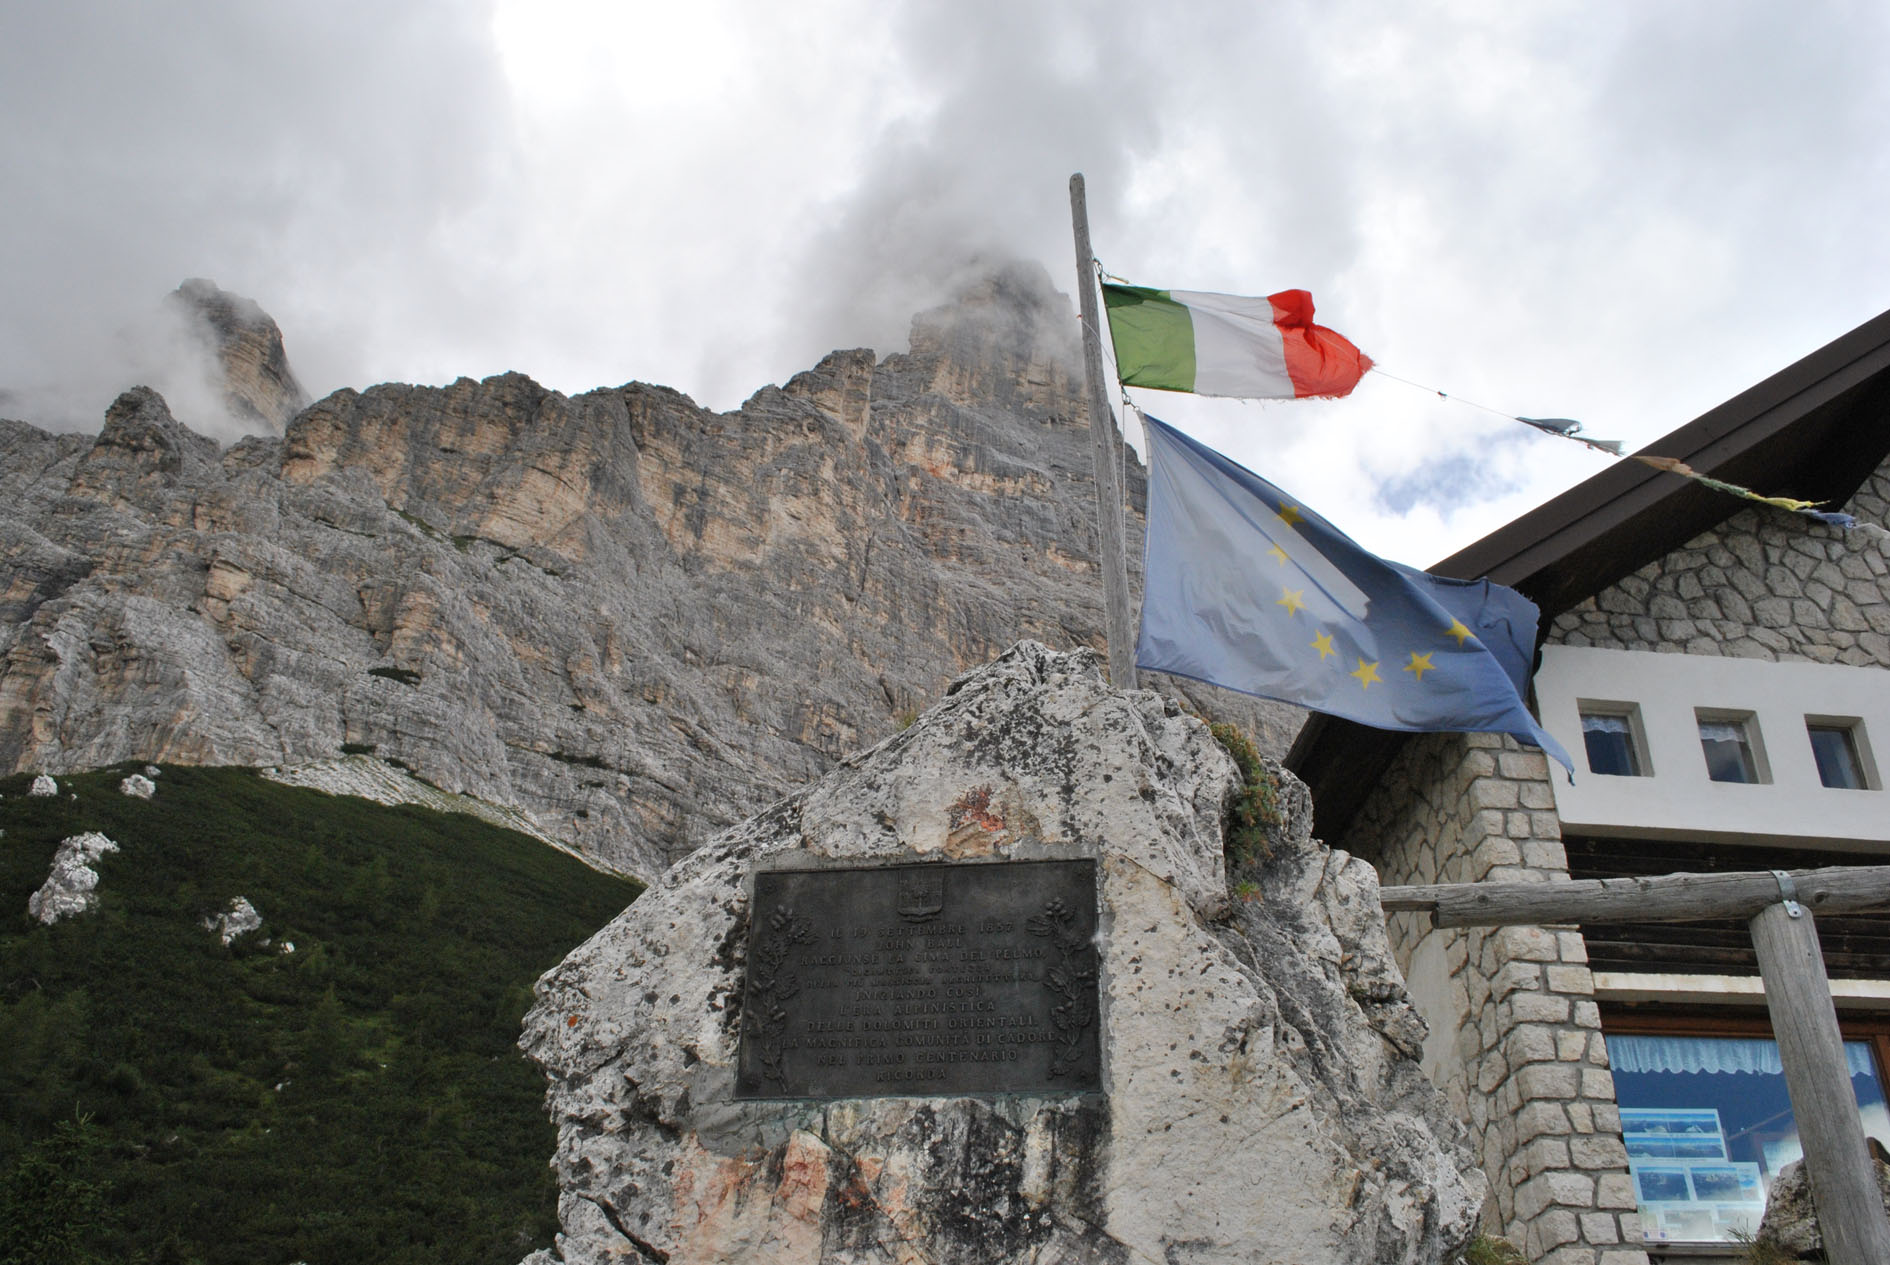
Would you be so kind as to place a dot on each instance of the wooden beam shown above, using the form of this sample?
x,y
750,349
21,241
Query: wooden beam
x,y
1845,889
1843,1176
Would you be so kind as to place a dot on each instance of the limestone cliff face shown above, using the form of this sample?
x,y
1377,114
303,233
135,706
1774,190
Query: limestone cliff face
x,y
634,619
258,385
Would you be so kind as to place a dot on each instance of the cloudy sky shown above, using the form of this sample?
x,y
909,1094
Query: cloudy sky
x,y
1622,212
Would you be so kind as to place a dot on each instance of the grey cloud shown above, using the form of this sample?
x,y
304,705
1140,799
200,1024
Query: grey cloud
x,y
1021,97
1618,212
308,155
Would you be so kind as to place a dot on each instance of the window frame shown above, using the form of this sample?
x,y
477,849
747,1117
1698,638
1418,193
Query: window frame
x,y
1748,723
1859,742
1636,735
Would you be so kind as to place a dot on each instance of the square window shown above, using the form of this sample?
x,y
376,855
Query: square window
x,y
1838,748
1731,747
1611,733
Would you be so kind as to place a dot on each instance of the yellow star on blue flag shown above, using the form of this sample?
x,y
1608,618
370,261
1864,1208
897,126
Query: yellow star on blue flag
x,y
1431,653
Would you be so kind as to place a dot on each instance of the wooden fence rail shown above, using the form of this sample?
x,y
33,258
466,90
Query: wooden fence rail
x,y
1845,889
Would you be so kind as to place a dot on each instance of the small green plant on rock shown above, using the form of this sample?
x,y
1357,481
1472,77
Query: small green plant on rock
x,y
1487,1249
1256,807
1760,1251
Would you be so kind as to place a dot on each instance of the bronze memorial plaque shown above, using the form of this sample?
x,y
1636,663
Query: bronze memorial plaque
x,y
922,980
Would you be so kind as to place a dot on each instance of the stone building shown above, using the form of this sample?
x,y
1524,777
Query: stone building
x,y
1717,670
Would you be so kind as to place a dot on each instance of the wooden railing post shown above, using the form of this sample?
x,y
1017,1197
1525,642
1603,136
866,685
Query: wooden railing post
x,y
1804,1022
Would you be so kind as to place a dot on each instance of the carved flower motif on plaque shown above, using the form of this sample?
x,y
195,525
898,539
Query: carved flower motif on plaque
x,y
1072,977
771,985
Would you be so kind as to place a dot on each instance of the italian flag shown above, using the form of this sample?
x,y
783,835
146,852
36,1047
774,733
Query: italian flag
x,y
1222,344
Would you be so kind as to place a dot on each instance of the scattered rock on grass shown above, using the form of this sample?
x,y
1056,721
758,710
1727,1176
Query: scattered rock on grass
x,y
239,919
68,889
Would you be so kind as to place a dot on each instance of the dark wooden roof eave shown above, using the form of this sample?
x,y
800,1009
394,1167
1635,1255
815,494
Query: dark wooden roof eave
x,y
1815,430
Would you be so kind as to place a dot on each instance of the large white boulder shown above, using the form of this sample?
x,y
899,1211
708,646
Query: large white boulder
x,y
238,918
1261,1099
68,889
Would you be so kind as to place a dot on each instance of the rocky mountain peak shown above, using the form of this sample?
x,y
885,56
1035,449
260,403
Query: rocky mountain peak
x,y
140,421
628,618
141,449
258,384
1007,336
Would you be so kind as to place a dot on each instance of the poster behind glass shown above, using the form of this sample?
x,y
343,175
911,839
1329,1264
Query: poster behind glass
x,y
1708,1127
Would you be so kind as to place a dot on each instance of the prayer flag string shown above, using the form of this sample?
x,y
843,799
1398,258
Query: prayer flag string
x,y
1567,428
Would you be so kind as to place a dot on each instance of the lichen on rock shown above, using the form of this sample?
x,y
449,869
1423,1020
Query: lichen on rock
x,y
1261,1099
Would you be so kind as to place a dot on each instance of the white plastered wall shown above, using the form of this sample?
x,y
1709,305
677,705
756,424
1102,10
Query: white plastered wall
x,y
1677,799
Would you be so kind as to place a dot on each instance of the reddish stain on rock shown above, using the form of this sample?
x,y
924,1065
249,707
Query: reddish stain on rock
x,y
974,809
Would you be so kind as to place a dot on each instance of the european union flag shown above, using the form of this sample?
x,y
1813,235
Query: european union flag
x,y
1248,589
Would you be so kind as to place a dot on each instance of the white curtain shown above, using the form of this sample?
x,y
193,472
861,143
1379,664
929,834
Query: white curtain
x,y
1715,1054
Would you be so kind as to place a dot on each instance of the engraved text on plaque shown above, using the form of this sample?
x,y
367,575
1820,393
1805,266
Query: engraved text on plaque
x,y
922,980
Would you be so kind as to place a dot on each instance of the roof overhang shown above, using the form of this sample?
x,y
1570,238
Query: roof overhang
x,y
1815,431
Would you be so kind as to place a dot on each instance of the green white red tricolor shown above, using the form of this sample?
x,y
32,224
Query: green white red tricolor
x,y
1223,344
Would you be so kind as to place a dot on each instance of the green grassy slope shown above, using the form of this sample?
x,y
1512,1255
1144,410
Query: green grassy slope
x,y
358,1099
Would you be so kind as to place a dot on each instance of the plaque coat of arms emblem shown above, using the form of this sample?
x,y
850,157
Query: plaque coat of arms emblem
x,y
921,894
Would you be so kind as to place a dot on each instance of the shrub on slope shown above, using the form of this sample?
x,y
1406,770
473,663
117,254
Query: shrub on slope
x,y
358,1098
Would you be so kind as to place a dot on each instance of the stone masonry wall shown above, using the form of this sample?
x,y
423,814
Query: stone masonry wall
x,y
1522,1058
1764,584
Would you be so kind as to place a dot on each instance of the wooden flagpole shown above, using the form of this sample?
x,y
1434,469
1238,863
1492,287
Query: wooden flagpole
x,y
1106,450
1797,995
